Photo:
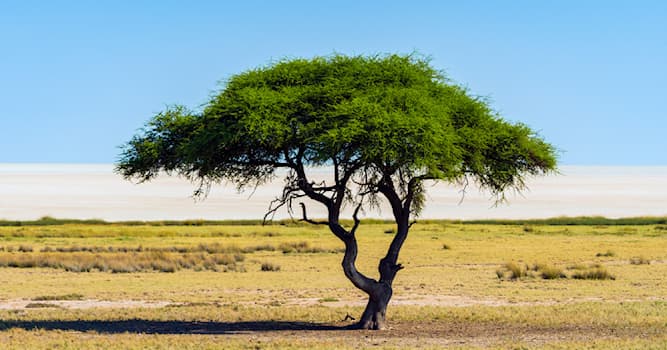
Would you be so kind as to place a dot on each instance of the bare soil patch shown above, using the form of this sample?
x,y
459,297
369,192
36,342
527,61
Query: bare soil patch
x,y
401,334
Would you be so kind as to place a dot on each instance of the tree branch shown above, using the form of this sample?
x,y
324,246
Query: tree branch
x,y
305,217
356,219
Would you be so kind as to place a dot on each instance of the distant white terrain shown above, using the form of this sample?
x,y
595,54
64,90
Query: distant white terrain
x,y
82,191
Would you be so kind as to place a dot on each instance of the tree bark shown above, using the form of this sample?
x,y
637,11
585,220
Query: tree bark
x,y
379,291
374,316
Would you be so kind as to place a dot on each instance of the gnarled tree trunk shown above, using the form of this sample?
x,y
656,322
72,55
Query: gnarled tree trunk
x,y
379,292
374,316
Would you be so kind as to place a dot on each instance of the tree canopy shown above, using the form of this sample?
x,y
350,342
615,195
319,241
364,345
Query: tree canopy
x,y
383,124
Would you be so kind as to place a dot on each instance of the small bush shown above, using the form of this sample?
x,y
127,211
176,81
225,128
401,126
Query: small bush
x,y
239,257
71,296
516,271
163,266
596,273
639,260
267,266
304,247
25,249
299,247
577,267
257,248
224,259
608,253
41,305
551,272
328,300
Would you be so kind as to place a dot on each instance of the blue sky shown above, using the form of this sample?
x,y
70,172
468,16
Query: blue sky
x,y
78,78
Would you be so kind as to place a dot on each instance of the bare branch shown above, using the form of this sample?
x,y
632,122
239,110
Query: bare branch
x,y
463,191
355,216
305,217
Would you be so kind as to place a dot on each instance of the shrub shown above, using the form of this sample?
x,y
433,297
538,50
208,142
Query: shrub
x,y
515,270
267,266
327,300
25,249
71,296
551,272
41,305
608,253
596,273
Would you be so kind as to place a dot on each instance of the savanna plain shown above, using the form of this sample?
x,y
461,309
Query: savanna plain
x,y
593,284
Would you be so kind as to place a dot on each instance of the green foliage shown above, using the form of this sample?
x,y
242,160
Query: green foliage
x,y
380,118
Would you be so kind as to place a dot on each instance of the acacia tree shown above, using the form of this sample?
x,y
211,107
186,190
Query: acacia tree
x,y
384,125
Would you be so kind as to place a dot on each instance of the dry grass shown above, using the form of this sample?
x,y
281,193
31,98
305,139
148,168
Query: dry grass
x,y
71,296
267,266
608,253
594,273
515,270
549,272
41,306
640,260
305,247
549,310
125,262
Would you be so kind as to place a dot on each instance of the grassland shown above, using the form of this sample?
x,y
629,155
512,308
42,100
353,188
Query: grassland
x,y
550,285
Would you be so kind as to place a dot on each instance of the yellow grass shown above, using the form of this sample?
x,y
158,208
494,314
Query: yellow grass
x,y
458,285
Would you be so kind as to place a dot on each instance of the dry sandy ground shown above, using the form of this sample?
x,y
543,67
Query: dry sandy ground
x,y
420,300
403,334
29,191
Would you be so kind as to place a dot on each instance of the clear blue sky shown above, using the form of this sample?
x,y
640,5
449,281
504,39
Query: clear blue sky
x,y
78,78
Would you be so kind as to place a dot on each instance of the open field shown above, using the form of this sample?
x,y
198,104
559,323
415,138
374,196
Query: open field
x,y
528,285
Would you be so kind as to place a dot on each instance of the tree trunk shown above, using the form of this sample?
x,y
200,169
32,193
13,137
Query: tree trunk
x,y
374,316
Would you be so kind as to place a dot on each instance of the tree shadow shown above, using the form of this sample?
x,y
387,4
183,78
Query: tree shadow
x,y
168,327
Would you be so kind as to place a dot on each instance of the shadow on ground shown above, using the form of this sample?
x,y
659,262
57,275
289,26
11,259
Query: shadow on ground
x,y
168,327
